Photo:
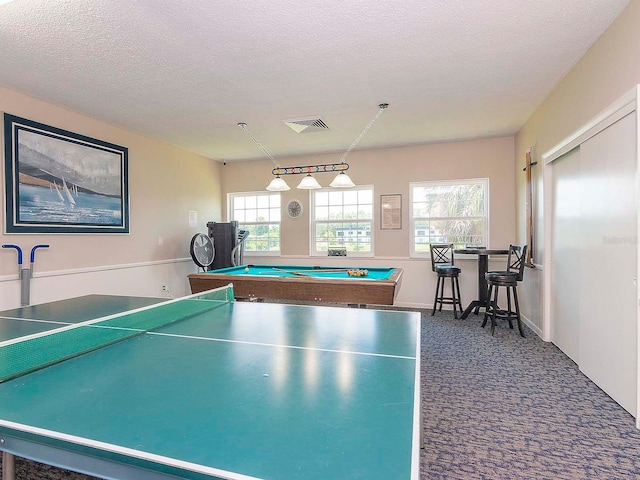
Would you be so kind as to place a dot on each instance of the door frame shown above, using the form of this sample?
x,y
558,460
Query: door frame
x,y
622,107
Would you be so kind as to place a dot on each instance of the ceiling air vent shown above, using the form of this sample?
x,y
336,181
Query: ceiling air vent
x,y
307,125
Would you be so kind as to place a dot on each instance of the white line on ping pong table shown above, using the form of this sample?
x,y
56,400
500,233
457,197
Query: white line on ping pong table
x,y
129,452
57,322
71,326
297,347
193,337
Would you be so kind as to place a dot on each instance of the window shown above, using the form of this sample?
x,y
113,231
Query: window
x,y
259,213
449,212
342,219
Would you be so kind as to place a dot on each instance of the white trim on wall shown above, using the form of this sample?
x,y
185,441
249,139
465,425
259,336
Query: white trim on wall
x,y
617,110
142,279
76,271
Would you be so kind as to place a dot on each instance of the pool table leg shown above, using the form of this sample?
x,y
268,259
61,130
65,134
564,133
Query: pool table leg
x,y
8,466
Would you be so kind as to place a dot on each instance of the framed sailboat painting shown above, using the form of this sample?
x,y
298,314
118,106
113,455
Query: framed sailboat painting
x,y
58,181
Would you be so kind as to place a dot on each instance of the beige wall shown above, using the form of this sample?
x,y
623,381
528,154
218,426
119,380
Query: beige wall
x,y
390,171
165,183
606,72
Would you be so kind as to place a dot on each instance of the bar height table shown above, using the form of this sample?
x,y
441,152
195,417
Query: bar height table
x,y
483,267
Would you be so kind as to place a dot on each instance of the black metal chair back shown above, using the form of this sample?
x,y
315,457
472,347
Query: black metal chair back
x,y
441,254
442,264
517,260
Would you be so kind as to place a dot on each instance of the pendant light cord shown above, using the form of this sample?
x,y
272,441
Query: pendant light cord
x,y
381,108
255,140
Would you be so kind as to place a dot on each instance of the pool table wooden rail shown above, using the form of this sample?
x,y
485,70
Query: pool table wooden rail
x,y
354,291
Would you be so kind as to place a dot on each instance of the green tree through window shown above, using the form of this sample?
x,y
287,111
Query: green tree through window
x,y
259,213
342,219
449,212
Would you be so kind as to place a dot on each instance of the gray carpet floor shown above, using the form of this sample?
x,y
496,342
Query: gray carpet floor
x,y
501,407
507,407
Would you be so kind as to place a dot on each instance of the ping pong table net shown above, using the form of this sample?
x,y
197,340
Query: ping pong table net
x,y
33,352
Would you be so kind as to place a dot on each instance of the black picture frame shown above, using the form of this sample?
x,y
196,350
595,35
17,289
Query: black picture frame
x,y
58,181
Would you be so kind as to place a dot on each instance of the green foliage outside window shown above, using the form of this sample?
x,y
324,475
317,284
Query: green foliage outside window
x,y
258,213
343,219
449,212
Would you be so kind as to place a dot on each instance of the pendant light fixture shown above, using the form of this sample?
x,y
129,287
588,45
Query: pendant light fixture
x,y
278,185
342,180
309,183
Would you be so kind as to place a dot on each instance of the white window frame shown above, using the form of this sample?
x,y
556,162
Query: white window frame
x,y
482,181
313,222
257,253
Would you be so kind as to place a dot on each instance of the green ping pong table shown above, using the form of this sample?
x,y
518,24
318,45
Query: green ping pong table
x,y
215,389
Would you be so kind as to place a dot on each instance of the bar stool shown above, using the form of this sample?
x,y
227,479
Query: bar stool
x,y
509,280
442,265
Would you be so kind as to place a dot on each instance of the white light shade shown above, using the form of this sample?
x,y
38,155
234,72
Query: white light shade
x,y
342,180
278,185
309,183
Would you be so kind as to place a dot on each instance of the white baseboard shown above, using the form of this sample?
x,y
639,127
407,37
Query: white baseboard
x,y
532,326
143,279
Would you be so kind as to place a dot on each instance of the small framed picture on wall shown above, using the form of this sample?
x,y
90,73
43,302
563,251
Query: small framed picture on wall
x,y
391,212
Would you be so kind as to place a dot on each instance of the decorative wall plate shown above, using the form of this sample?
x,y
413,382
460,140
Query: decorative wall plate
x,y
294,209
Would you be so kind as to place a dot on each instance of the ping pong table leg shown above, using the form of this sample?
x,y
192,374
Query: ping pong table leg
x,y
8,466
421,429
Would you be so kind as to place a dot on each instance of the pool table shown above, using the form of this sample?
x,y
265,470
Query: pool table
x,y
329,284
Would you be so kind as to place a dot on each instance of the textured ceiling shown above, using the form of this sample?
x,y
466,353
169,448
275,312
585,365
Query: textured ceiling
x,y
187,72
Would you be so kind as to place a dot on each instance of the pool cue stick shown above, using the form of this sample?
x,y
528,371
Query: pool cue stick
x,y
293,273
529,205
321,270
331,269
